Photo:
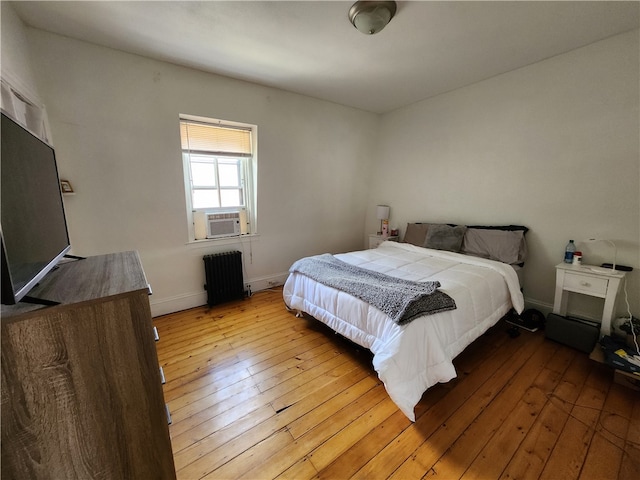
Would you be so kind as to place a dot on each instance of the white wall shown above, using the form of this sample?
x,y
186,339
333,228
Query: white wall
x,y
114,118
15,54
553,146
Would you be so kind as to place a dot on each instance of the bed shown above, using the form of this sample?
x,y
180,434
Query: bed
x,y
478,271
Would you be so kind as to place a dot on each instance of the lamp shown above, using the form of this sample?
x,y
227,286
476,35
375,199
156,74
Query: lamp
x,y
615,252
382,213
371,17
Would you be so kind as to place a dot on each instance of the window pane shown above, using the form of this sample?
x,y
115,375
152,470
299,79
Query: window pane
x,y
205,199
231,197
203,174
229,174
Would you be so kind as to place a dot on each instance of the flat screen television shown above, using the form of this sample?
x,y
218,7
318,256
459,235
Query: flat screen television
x,y
34,231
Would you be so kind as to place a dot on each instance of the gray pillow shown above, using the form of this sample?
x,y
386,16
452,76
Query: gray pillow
x,y
445,237
501,245
416,233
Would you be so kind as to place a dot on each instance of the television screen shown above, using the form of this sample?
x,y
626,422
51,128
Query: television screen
x,y
34,230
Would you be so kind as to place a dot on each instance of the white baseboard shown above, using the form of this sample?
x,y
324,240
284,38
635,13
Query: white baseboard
x,y
544,307
270,281
164,306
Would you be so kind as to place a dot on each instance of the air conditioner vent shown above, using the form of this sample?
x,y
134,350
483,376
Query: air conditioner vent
x,y
219,224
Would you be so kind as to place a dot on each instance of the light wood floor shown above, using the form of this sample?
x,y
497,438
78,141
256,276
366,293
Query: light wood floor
x,y
255,392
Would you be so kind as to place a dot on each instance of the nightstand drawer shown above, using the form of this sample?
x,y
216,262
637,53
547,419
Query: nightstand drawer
x,y
586,284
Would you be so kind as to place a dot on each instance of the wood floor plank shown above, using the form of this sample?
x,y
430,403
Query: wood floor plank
x,y
258,457
225,349
508,437
630,467
530,459
235,324
361,452
308,382
296,352
233,394
208,326
304,423
303,446
281,373
212,460
186,393
256,392
330,450
339,386
193,345
217,416
607,447
239,444
476,421
444,421
301,470
227,359
339,393
567,458
186,451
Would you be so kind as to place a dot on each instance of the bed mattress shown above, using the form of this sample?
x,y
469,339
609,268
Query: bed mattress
x,y
413,357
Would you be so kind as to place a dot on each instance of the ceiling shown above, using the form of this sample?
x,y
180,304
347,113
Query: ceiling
x,y
311,48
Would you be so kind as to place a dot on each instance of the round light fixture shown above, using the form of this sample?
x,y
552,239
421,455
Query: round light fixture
x,y
371,17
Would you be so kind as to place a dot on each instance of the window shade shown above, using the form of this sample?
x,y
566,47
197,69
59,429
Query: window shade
x,y
215,139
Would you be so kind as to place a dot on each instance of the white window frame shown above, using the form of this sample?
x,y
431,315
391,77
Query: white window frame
x,y
248,171
216,160
22,105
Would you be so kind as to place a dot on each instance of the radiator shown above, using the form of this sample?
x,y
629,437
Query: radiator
x,y
223,273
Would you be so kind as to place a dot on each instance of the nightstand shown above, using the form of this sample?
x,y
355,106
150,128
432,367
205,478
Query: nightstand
x,y
588,280
375,239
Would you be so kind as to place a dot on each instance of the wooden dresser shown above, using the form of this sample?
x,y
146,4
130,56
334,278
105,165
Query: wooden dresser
x,y
81,391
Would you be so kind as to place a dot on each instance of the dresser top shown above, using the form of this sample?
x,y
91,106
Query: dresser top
x,y
75,281
590,270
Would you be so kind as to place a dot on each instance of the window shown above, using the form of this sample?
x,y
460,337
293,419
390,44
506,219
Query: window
x,y
219,166
216,182
24,109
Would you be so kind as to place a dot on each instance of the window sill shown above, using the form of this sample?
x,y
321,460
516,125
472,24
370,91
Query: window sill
x,y
208,242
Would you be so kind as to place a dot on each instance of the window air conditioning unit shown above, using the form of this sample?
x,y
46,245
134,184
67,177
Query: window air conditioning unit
x,y
217,225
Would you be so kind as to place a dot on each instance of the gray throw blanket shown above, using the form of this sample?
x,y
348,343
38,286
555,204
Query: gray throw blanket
x,y
402,300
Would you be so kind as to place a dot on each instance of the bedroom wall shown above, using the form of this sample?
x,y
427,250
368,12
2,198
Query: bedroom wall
x,y
114,119
553,146
15,53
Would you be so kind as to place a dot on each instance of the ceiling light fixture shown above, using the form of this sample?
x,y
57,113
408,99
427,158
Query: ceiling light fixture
x,y
371,17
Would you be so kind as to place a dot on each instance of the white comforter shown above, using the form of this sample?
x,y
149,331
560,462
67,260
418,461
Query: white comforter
x,y
411,358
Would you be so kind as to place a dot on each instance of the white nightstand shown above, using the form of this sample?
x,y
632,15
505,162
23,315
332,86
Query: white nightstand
x,y
375,239
588,280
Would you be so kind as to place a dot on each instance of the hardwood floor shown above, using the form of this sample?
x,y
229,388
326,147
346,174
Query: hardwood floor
x,y
256,392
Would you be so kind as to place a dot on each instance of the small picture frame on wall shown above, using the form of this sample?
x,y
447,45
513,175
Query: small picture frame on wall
x,y
65,186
